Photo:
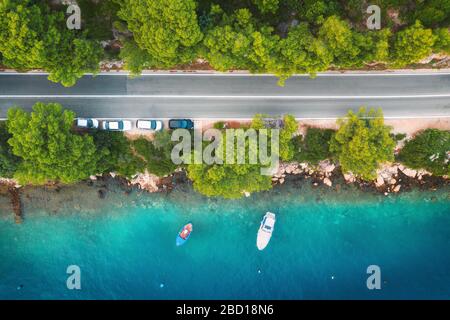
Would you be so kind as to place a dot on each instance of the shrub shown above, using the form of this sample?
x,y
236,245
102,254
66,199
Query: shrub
x,y
314,147
8,161
116,155
428,150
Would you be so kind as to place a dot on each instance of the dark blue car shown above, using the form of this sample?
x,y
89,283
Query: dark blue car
x,y
181,124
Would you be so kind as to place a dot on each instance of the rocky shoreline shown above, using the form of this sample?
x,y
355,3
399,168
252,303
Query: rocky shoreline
x,y
391,179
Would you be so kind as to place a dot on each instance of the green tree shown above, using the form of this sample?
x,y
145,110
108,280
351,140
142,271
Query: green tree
x,y
267,6
21,29
442,43
316,11
314,147
34,37
229,180
339,38
301,52
290,127
362,142
47,147
167,29
136,59
79,56
116,154
412,44
429,150
156,154
236,43
8,161
431,12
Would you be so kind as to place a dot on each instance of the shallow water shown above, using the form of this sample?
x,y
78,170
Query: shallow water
x,y
320,249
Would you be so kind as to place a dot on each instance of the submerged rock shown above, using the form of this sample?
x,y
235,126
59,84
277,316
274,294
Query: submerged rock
x,y
102,194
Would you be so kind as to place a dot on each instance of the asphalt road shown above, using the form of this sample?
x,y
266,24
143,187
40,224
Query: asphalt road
x,y
233,96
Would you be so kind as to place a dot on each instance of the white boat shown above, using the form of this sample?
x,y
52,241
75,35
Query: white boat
x,y
265,230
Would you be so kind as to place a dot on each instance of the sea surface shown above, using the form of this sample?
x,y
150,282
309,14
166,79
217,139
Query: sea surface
x,y
321,248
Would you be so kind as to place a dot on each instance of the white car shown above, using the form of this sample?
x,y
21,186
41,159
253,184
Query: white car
x,y
87,123
154,125
117,125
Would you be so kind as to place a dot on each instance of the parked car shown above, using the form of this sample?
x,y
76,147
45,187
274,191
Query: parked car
x,y
155,125
116,125
87,123
181,124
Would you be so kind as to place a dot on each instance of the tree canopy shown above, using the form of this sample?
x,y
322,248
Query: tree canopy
x,y
430,150
362,143
34,37
167,29
47,147
413,44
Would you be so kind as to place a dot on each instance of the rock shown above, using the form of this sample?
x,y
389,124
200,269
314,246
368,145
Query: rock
x,y
409,172
423,172
315,184
102,194
379,182
392,181
326,166
112,174
327,182
93,178
281,181
247,194
147,181
397,188
349,177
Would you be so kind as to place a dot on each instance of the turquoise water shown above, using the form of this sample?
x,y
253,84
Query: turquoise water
x,y
320,249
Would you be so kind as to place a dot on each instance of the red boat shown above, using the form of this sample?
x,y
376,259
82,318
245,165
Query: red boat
x,y
184,234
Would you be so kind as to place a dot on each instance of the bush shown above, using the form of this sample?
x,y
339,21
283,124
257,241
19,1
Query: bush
x,y
156,154
116,155
428,150
314,147
290,127
8,161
